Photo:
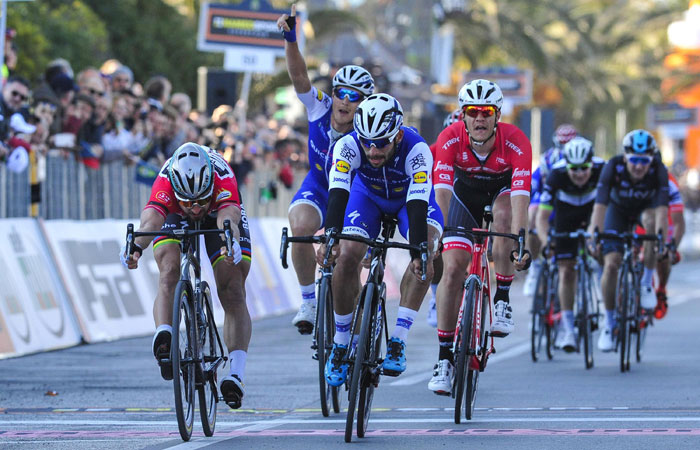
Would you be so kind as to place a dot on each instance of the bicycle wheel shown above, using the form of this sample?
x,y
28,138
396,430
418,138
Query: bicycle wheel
x,y
552,307
478,336
643,322
360,360
181,355
207,382
324,343
538,328
370,377
464,347
624,319
584,316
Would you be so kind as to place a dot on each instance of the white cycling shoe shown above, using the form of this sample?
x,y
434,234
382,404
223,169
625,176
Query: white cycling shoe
x,y
305,318
503,323
443,377
648,298
606,340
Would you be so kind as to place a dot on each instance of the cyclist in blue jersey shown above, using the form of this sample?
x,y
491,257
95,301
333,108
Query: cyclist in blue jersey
x,y
392,165
633,187
563,134
329,119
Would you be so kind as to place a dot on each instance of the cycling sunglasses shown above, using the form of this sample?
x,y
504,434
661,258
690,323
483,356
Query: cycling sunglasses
x,y
341,93
486,111
190,203
577,167
639,159
379,143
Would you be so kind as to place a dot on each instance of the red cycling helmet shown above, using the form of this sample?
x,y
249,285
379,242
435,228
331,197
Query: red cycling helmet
x,y
563,134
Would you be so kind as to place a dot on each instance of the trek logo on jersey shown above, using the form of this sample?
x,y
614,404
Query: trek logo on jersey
x,y
420,177
444,167
417,162
163,197
346,152
450,142
342,166
514,147
223,195
521,173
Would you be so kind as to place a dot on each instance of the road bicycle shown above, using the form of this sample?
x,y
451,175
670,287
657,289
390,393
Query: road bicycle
x,y
545,307
586,296
324,327
473,342
632,320
196,351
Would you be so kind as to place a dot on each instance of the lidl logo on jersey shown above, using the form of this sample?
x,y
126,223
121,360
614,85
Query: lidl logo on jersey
x,y
420,177
223,195
342,166
163,197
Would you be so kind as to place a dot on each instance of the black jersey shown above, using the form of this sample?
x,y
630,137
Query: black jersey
x,y
616,186
560,192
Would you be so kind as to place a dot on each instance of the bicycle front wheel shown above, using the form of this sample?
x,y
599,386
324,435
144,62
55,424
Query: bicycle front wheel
x,y
624,297
207,382
464,348
538,329
370,377
360,360
324,342
182,351
479,338
585,318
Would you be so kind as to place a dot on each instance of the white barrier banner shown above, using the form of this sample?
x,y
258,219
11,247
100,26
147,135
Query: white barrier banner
x,y
35,314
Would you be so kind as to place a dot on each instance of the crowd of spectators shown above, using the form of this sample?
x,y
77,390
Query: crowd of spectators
x,y
103,116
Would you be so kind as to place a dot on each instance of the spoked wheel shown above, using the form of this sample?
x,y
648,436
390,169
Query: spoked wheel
x,y
324,342
644,321
465,349
371,374
552,326
181,355
207,383
538,329
360,362
479,336
625,319
585,328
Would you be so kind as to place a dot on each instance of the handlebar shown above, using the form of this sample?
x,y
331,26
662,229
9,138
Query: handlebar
x,y
331,237
629,237
179,234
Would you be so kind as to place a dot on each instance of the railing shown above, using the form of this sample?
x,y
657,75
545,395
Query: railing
x,y
70,190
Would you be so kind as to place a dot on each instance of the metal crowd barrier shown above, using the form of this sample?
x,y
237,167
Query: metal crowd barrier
x,y
70,190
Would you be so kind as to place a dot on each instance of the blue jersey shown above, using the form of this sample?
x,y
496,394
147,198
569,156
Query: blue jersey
x,y
406,175
321,136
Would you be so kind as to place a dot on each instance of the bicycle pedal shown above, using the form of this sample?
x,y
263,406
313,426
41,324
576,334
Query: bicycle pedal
x,y
305,328
390,373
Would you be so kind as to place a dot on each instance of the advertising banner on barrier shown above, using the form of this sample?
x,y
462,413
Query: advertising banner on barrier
x,y
35,314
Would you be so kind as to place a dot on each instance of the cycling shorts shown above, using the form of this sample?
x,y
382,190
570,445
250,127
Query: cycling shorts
x,y
619,220
314,192
213,242
363,215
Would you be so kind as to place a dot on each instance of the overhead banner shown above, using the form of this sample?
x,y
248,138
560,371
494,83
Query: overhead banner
x,y
35,314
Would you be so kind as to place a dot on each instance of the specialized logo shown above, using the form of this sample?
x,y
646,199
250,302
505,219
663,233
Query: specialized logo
x,y
307,194
444,166
342,166
514,147
353,216
521,173
420,177
163,197
223,195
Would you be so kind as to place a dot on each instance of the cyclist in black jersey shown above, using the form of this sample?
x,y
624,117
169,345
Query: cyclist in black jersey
x,y
633,186
569,191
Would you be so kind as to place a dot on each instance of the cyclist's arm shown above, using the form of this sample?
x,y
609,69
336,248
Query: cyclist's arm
x,y
662,199
233,213
419,163
443,198
151,220
661,220
598,217
678,220
519,205
296,66
542,223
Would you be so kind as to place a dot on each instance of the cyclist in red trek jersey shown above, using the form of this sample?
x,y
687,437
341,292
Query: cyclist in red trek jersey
x,y
197,184
482,162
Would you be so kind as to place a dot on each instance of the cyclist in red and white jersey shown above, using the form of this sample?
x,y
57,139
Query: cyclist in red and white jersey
x,y
479,162
197,185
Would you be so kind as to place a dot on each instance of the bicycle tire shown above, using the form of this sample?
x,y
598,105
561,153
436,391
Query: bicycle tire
x,y
207,389
322,345
463,334
182,359
359,360
473,374
370,374
552,286
642,327
585,324
538,327
624,321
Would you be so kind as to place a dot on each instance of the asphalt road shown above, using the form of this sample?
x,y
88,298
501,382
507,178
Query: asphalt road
x,y
110,395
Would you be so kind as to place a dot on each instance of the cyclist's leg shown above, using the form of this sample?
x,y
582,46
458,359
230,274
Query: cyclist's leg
x,y
306,214
503,323
566,290
615,221
647,295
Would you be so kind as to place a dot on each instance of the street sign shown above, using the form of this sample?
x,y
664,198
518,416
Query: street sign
x,y
670,114
515,84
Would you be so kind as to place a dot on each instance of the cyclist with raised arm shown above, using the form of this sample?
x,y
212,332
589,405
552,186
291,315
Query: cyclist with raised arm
x,y
632,186
197,185
569,191
480,162
329,119
392,167
563,134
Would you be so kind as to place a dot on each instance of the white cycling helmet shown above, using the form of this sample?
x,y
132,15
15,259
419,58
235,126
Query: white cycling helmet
x,y
191,172
454,116
378,116
640,142
578,151
354,77
480,93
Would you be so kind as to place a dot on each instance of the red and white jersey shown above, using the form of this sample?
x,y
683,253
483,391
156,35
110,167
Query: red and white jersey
x,y
510,157
225,189
675,201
